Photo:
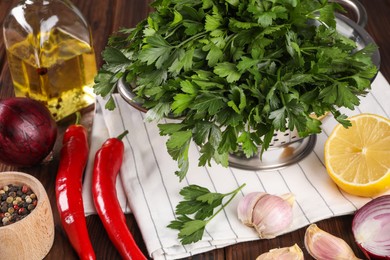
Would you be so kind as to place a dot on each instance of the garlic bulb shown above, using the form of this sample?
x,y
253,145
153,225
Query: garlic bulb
x,y
268,214
286,253
323,245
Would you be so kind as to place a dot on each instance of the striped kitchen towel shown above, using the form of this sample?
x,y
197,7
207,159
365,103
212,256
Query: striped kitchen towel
x,y
148,186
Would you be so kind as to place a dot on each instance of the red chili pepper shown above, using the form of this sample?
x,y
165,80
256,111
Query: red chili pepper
x,y
74,156
108,161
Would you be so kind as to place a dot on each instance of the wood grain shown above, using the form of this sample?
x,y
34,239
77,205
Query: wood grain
x,y
106,17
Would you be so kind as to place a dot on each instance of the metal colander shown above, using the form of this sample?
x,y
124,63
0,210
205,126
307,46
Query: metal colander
x,y
282,138
285,148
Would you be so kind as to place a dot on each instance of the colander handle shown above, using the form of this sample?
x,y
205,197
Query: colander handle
x,y
358,8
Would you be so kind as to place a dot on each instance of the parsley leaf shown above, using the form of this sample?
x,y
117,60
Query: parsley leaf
x,y
227,70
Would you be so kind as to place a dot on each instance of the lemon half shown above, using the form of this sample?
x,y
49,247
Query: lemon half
x,y
358,158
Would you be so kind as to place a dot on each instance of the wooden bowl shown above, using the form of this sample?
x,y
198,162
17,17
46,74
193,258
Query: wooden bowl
x,y
31,237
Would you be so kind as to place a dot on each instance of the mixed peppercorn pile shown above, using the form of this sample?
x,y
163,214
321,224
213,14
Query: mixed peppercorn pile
x,y
16,202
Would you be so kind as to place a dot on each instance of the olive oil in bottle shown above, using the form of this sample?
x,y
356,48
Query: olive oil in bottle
x,y
50,55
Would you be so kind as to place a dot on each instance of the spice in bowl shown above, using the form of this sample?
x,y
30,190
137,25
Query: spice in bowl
x,y
16,202
34,226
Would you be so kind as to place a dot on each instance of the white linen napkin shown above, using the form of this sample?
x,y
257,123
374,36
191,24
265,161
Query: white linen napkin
x,y
148,186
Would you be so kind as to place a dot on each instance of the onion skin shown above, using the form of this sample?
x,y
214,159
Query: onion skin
x,y
27,132
371,228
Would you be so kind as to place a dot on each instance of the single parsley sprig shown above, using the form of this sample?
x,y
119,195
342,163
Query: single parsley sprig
x,y
197,210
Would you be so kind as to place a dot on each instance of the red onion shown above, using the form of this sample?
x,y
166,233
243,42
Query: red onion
x,y
371,228
27,132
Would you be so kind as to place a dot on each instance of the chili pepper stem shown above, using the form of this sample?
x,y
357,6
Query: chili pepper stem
x,y
120,137
78,118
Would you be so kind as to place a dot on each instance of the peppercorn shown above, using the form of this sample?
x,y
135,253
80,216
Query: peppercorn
x,y
24,189
22,211
28,199
9,199
16,202
30,207
5,220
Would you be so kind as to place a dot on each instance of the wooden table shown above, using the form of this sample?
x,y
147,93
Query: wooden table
x,y
106,17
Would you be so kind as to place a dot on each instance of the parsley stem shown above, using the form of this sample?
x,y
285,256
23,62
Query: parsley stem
x,y
172,32
233,193
193,38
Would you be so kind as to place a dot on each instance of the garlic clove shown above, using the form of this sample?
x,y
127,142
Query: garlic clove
x,y
246,205
271,215
285,253
323,245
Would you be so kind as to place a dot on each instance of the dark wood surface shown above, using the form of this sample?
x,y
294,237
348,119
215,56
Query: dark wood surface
x,y
106,17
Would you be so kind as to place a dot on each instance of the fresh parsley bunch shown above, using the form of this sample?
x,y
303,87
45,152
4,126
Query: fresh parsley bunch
x,y
236,71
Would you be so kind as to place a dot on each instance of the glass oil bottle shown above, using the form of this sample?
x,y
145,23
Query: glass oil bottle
x,y
50,55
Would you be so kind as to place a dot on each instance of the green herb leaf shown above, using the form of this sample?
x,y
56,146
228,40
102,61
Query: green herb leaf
x,y
227,70
178,145
178,139
114,56
192,231
103,85
248,145
209,103
213,21
182,102
193,191
279,118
